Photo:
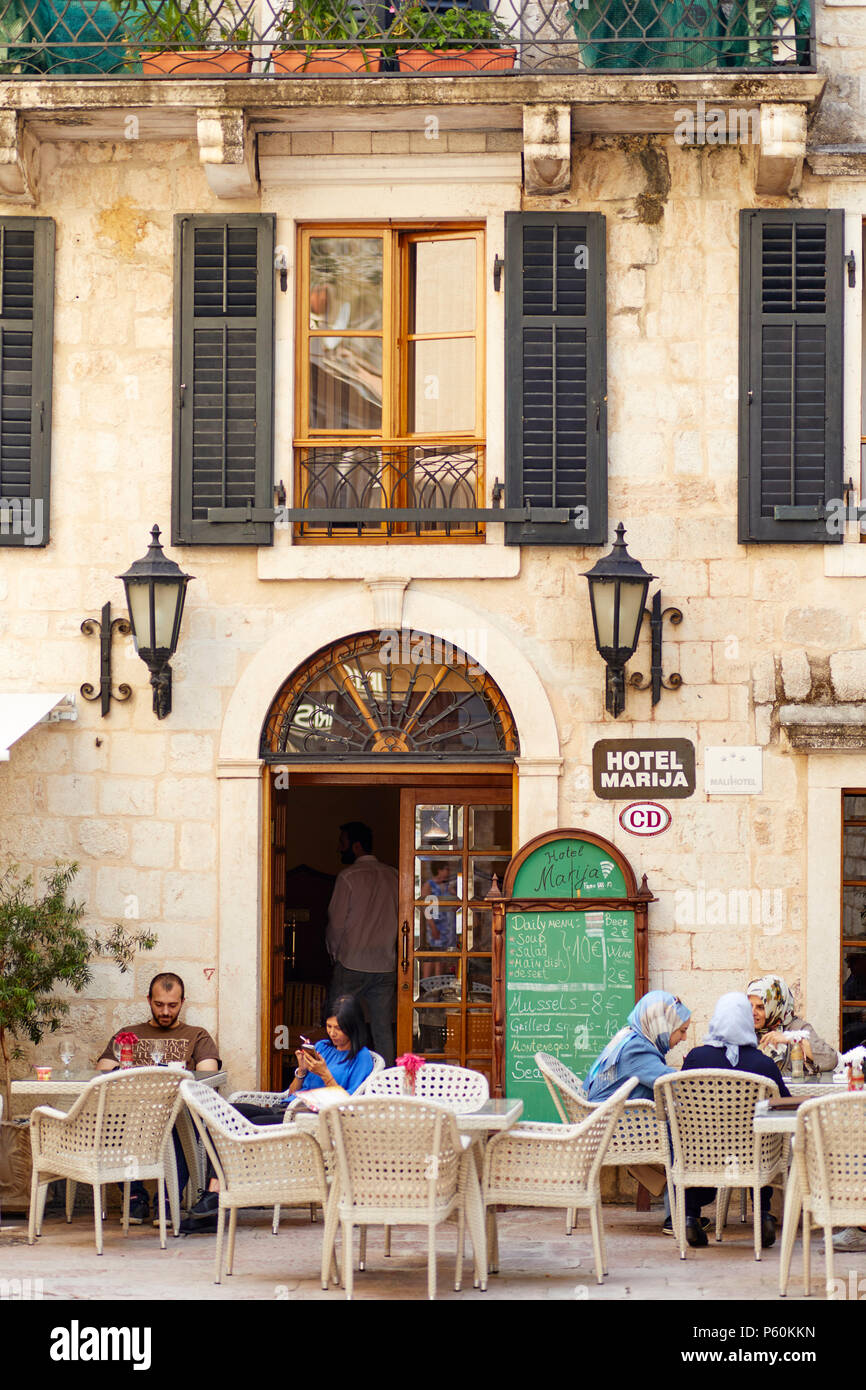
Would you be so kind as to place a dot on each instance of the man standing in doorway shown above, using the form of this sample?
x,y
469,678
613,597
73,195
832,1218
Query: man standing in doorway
x,y
362,932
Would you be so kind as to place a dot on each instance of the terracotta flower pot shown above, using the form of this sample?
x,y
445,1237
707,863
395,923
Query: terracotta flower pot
x,y
335,61
457,60
185,63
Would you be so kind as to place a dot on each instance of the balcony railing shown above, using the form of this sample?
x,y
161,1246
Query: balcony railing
x,y
356,491
312,38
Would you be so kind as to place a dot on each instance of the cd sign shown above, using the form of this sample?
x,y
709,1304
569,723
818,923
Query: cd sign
x,y
645,818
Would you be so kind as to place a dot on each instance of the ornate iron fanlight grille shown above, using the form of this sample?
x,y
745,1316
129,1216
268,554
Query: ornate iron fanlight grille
x,y
384,696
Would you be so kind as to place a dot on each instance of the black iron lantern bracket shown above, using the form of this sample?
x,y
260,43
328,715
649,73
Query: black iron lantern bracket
x,y
656,679
106,629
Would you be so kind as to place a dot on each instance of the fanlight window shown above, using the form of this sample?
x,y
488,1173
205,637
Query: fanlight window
x,y
390,695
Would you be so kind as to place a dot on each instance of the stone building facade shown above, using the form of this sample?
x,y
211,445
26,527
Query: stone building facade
x,y
168,818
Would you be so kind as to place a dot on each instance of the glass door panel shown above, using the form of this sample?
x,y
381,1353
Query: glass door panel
x,y
450,853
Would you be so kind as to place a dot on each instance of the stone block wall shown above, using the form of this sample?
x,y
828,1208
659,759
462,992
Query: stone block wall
x,y
136,801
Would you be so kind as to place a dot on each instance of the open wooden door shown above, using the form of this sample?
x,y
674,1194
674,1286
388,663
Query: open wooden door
x,y
450,850
279,813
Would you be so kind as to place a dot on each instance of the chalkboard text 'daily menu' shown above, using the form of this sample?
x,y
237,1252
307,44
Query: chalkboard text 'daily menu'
x,y
569,959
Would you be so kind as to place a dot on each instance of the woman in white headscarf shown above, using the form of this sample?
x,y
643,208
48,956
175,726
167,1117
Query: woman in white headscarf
x,y
732,1045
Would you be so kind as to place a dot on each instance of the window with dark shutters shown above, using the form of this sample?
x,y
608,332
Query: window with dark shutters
x,y
223,453
26,347
791,307
556,447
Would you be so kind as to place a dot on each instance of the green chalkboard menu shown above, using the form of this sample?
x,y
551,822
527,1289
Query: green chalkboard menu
x,y
569,959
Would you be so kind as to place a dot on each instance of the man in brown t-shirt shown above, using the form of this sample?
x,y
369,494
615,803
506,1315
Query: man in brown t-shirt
x,y
182,1042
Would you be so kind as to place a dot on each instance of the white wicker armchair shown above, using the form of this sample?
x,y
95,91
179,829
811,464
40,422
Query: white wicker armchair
x,y
257,1165
460,1088
118,1130
551,1165
400,1161
711,1115
830,1175
638,1138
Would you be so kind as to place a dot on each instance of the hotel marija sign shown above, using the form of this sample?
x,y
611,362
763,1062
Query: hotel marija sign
x,y
622,767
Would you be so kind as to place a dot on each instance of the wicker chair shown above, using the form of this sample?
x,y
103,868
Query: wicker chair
x,y
638,1137
457,1087
830,1173
460,1088
551,1165
401,1162
118,1130
711,1116
257,1165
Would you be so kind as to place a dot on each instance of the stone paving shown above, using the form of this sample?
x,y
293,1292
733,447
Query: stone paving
x,y
538,1261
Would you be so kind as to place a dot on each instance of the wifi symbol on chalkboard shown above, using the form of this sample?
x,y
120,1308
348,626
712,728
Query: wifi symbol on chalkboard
x,y
606,867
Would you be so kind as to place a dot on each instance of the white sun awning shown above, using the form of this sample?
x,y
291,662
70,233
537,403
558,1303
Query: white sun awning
x,y
18,713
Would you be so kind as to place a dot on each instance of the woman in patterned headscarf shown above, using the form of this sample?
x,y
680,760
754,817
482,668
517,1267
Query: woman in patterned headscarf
x,y
775,1016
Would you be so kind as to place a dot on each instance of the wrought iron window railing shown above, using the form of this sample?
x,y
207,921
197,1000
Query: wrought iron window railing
x,y
389,490
192,38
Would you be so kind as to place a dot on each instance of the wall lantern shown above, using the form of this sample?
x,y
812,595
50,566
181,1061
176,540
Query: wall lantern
x,y
618,587
155,592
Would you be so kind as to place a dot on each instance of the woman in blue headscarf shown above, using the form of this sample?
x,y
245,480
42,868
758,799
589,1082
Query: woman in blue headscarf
x,y
657,1023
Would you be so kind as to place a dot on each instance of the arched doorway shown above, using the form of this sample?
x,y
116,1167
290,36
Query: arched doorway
x,y
408,733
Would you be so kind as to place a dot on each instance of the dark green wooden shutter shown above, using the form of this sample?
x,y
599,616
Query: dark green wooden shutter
x,y
223,387
556,374
26,351
791,307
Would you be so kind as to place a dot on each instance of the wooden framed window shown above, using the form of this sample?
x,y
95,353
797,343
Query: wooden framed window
x,y
389,391
852,974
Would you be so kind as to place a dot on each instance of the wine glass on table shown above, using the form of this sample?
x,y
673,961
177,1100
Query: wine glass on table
x,y
156,1047
66,1048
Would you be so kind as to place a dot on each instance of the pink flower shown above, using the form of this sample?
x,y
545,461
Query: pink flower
x,y
126,1039
411,1062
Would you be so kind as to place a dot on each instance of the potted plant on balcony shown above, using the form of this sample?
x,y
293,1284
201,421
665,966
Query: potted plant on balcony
x,y
186,37
43,949
325,36
452,40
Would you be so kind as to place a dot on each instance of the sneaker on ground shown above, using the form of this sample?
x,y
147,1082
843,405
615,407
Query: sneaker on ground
x,y
850,1239
202,1219
139,1210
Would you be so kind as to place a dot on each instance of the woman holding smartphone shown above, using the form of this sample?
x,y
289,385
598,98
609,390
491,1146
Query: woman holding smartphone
x,y
340,1061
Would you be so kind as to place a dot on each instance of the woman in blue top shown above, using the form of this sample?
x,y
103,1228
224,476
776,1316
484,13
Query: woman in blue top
x,y
657,1023
342,1060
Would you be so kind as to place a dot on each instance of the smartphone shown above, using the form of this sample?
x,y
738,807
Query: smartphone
x,y
307,1046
